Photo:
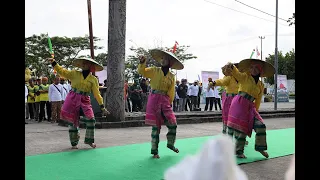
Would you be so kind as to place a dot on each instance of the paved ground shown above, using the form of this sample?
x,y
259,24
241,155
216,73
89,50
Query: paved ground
x,y
47,138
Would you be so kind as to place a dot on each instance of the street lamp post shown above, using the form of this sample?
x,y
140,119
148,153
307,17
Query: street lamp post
x,y
260,37
90,31
276,62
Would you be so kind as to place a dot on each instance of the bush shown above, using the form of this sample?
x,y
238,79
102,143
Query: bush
x,y
267,98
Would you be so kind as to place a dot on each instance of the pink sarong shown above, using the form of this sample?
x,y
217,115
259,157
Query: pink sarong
x,y
71,108
241,115
225,107
158,104
223,96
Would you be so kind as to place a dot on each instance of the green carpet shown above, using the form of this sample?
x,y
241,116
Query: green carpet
x,y
134,162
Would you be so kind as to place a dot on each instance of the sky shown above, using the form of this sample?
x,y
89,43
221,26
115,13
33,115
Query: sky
x,y
215,34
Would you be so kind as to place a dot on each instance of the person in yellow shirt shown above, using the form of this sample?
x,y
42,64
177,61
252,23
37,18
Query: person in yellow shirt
x,y
231,87
159,106
83,83
37,100
44,100
243,113
31,98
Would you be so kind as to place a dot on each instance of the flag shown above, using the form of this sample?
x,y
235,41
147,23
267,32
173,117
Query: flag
x,y
175,47
252,53
258,53
51,51
50,46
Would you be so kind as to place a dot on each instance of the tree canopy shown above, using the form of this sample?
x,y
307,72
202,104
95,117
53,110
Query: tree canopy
x,y
286,65
65,50
292,20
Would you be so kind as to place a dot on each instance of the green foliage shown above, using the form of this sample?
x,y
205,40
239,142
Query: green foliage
x,y
132,62
286,65
221,89
65,50
292,20
268,98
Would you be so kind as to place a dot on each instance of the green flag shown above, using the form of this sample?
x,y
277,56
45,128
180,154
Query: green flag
x,y
50,46
252,54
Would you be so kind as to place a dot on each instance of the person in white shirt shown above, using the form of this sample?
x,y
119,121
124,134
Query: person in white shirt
x,y
65,89
217,99
55,97
188,102
26,99
209,95
175,105
194,90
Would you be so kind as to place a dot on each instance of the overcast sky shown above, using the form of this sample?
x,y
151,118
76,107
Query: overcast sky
x,y
215,34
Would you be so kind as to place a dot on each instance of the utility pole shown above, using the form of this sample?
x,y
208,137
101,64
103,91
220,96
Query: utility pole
x,y
260,37
276,62
90,31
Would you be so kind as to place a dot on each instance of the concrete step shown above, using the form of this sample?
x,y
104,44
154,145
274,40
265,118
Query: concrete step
x,y
141,116
180,120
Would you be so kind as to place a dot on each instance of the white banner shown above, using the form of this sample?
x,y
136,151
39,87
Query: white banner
x,y
102,75
282,88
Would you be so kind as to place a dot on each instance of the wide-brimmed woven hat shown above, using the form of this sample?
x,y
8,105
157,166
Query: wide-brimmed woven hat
x,y
158,54
79,63
267,68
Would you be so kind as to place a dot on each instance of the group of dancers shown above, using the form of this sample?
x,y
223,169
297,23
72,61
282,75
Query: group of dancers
x,y
241,103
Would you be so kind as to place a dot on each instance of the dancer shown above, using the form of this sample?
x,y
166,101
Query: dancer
x,y
83,82
243,113
231,87
159,111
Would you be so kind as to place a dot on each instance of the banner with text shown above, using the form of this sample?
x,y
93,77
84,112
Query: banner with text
x,y
282,88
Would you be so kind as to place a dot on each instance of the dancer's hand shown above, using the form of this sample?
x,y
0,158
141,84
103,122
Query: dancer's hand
x,y
50,60
105,112
142,59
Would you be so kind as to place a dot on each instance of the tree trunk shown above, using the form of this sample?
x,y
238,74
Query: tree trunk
x,y
116,57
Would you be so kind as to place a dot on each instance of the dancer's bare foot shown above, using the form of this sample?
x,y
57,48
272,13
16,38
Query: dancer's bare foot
x,y
74,147
174,149
156,156
93,145
264,153
241,156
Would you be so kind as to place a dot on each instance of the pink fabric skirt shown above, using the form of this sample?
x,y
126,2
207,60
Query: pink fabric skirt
x,y
241,115
71,108
223,96
157,106
225,108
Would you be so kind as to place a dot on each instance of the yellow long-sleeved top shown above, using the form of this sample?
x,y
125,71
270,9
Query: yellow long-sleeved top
x,y
31,91
159,81
248,85
88,85
44,96
230,84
